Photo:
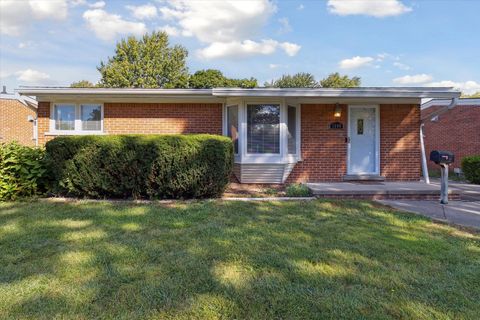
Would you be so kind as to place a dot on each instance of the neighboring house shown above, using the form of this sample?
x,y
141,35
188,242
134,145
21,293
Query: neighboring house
x,y
456,130
17,118
280,135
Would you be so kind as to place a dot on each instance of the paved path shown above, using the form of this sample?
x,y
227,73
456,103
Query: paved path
x,y
464,213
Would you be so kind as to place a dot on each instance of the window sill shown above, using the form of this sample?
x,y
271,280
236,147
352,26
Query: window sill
x,y
73,133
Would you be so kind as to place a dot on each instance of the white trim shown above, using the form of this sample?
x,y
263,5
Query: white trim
x,y
281,137
77,122
377,139
445,102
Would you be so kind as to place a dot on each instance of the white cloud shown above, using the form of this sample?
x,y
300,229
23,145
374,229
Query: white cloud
x,y
32,76
375,8
143,12
229,28
246,48
170,30
285,26
467,87
219,21
401,66
355,62
107,26
273,66
97,5
18,15
300,7
414,79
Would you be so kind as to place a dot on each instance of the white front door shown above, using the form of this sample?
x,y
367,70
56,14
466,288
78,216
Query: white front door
x,y
363,131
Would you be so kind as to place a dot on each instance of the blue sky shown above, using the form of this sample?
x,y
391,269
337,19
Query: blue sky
x,y
385,42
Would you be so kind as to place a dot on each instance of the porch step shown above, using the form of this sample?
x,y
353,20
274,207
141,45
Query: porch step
x,y
363,177
379,191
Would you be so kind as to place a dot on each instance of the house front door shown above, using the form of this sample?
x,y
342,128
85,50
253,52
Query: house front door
x,y
363,130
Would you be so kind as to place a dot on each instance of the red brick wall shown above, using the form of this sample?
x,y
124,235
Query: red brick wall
x,y
457,130
146,118
324,151
14,124
162,118
400,153
43,122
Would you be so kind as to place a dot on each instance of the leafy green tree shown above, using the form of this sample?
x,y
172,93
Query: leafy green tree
x,y
474,95
298,80
335,80
212,78
82,84
149,62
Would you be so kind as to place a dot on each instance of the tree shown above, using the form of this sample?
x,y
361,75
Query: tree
x,y
212,78
335,80
473,95
82,84
298,80
149,62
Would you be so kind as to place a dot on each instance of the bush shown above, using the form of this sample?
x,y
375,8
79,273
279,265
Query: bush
x,y
22,171
297,190
471,168
140,166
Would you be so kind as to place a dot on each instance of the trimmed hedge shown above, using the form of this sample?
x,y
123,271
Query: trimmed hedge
x,y
140,166
22,171
471,168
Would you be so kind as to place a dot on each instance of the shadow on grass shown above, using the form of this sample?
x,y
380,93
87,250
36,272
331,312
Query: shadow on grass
x,y
215,259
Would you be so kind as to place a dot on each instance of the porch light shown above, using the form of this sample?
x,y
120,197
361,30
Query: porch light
x,y
338,111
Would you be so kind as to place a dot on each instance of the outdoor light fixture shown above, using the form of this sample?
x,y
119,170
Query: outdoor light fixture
x,y
338,111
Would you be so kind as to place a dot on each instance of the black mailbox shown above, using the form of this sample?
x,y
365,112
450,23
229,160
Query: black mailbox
x,y
442,157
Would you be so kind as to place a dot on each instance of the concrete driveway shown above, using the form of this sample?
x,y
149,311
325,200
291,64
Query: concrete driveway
x,y
464,213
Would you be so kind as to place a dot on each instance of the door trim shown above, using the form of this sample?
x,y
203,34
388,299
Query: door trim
x,y
377,139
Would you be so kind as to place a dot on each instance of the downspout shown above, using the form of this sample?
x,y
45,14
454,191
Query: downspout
x,y
422,143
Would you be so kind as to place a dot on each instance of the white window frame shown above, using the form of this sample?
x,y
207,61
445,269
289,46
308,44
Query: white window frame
x,y
270,158
281,121
78,119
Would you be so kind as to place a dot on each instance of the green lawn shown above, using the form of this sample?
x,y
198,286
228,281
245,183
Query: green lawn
x,y
215,259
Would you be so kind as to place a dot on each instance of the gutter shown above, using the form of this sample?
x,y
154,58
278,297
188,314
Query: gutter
x,y
452,105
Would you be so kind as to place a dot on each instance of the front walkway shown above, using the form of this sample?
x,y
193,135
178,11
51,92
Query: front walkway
x,y
465,213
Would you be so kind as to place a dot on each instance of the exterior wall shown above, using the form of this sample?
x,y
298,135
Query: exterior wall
x,y
400,152
149,118
324,151
14,124
120,118
457,130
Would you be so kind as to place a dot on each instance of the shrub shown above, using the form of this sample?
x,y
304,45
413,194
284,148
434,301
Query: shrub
x,y
297,190
140,166
22,170
471,168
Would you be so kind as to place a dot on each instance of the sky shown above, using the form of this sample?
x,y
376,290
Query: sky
x,y
385,42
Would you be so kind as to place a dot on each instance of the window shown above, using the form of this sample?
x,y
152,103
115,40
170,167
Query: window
x,y
77,118
360,126
64,116
292,130
263,128
232,125
91,115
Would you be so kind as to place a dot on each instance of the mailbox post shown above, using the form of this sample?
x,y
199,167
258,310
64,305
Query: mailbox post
x,y
443,159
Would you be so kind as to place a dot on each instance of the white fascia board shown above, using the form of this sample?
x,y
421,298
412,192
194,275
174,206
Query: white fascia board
x,y
446,102
385,92
114,91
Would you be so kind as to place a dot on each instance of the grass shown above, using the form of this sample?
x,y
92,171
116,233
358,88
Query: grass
x,y
232,260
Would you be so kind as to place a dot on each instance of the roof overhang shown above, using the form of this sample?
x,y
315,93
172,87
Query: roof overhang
x,y
446,102
362,94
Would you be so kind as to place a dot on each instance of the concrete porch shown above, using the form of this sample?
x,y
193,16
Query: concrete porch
x,y
380,190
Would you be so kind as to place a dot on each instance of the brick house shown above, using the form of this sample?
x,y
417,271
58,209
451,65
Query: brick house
x,y
456,130
280,135
17,119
